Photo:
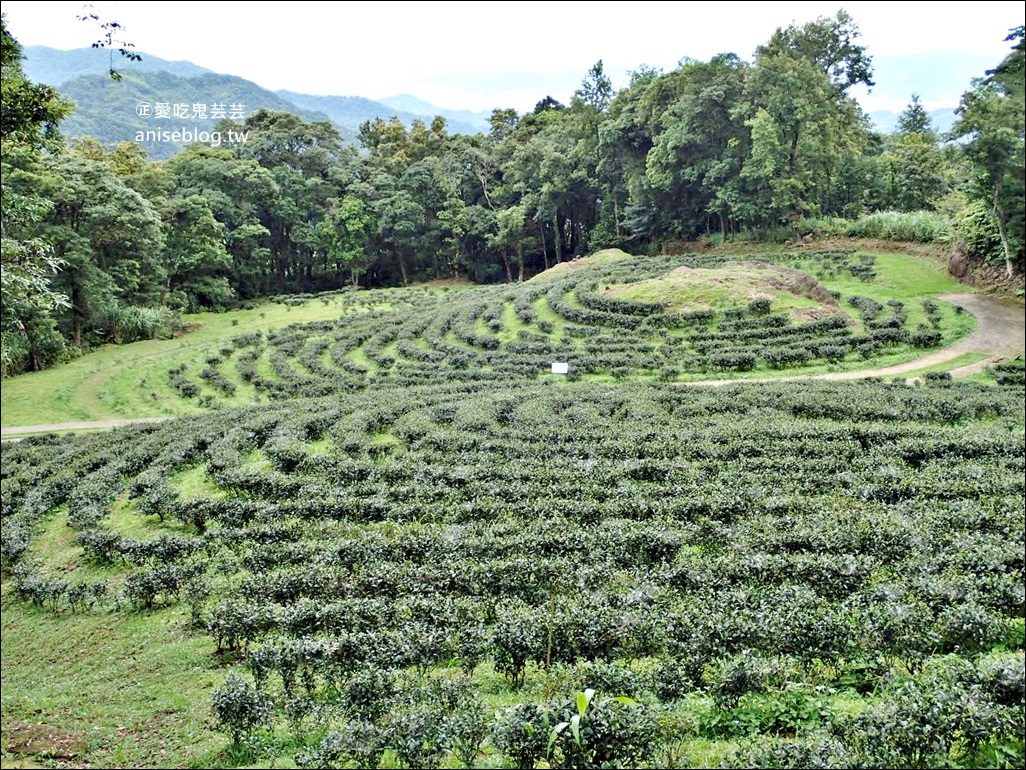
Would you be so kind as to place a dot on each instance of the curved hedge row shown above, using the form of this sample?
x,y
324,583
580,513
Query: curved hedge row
x,y
498,334
739,554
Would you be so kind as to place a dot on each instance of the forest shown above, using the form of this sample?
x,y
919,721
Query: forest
x,y
102,245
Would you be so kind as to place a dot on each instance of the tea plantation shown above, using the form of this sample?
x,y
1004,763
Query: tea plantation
x,y
422,550
694,317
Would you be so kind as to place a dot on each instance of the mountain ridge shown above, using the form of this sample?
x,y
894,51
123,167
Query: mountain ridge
x,y
107,109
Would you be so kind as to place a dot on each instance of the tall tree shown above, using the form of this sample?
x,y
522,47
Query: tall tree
x,y
240,195
802,121
791,137
29,119
991,121
915,165
195,258
829,44
111,239
348,230
914,119
697,157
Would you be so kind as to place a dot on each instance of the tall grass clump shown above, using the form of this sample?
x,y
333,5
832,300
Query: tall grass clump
x,y
825,227
918,226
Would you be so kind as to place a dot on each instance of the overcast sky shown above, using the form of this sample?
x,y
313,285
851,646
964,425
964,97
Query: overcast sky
x,y
481,55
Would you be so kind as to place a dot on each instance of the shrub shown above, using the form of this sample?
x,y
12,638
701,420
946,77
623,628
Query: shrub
x,y
239,708
740,361
1010,373
517,639
759,307
786,753
368,692
522,734
938,720
360,743
924,339
415,735
465,729
601,732
736,676
976,226
782,357
1003,679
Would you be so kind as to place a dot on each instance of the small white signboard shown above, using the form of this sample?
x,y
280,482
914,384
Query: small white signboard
x,y
560,367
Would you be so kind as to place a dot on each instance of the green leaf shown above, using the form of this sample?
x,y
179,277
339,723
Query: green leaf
x,y
555,734
584,700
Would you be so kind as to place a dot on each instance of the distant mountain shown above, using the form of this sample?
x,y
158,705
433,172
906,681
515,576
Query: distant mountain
x,y
110,110
55,67
349,112
479,121
939,77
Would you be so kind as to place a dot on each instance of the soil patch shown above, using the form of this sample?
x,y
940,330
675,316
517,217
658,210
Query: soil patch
x,y
26,738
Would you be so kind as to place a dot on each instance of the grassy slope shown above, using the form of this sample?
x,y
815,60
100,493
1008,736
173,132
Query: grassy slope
x,y
131,380
129,689
598,259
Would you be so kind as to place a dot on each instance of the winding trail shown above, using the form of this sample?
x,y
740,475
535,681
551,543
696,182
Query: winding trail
x,y
1000,334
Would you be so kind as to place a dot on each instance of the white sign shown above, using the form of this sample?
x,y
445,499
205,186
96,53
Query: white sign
x,y
560,367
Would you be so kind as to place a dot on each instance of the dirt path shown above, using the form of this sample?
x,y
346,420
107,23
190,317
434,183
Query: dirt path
x,y
22,429
1000,335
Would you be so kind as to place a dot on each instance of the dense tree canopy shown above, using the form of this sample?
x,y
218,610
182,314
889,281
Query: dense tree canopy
x,y
30,117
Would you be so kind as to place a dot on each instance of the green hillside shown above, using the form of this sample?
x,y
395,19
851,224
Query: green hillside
x,y
56,67
348,112
107,110
610,316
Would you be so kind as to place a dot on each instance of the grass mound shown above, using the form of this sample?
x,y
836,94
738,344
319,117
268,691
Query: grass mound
x,y
735,284
599,259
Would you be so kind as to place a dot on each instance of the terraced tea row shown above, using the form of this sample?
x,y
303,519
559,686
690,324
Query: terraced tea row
x,y
756,562
665,318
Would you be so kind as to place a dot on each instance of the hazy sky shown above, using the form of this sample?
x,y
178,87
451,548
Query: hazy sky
x,y
482,55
